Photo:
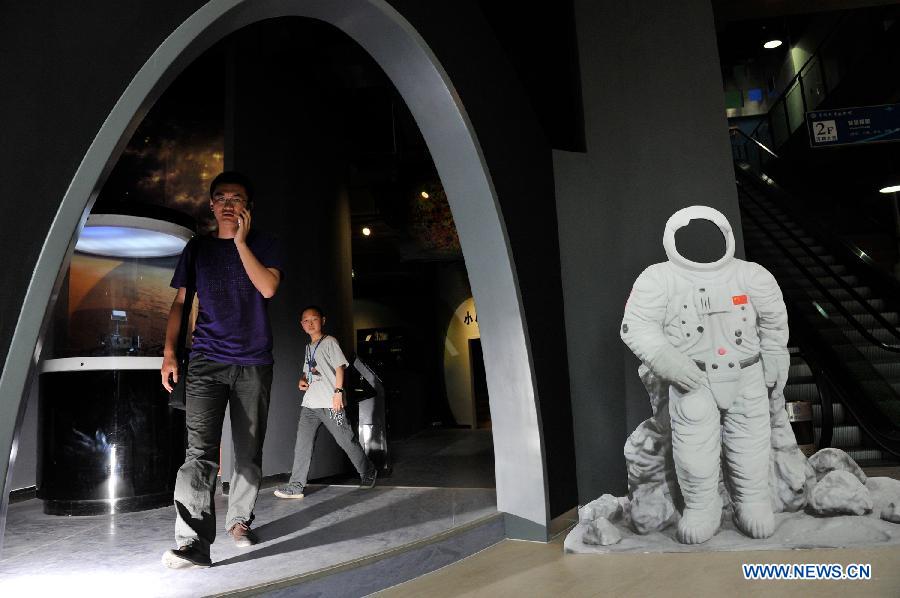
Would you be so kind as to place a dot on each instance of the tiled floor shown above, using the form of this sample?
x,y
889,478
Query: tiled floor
x,y
98,556
441,479
455,458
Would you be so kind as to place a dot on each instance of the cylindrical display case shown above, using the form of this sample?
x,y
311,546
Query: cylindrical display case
x,y
108,441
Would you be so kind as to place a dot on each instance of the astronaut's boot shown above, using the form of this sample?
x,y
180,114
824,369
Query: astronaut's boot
x,y
695,449
699,525
755,519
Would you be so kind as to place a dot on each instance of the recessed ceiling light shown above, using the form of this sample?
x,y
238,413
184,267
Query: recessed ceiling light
x,y
890,189
771,44
424,194
366,231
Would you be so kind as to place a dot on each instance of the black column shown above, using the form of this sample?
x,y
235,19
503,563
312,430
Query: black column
x,y
282,132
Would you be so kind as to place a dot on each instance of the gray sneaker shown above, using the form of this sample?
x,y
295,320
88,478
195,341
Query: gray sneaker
x,y
290,491
367,480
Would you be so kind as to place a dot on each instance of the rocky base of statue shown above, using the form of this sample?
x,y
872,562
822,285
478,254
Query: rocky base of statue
x,y
801,491
793,530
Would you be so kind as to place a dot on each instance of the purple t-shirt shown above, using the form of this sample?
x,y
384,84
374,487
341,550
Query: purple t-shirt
x,y
233,323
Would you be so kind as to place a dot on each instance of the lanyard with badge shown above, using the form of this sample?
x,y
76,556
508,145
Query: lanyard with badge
x,y
311,360
311,364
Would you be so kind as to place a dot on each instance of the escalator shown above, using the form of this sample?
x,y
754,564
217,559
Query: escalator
x,y
845,354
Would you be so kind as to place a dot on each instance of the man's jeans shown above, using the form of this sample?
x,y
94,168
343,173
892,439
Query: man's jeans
x,y
211,386
308,427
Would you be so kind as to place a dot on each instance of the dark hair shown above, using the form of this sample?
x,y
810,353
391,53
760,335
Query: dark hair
x,y
314,308
232,177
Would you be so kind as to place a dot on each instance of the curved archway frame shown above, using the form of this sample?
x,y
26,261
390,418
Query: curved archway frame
x,y
426,88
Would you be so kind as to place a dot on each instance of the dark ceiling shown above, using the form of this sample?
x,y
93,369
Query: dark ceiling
x,y
744,10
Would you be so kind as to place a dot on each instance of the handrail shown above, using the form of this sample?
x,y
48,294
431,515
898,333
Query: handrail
x,y
739,131
835,302
826,386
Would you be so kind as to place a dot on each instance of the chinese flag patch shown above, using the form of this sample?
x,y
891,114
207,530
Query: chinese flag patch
x,y
739,299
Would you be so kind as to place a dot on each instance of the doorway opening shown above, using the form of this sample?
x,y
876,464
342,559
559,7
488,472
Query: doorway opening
x,y
480,402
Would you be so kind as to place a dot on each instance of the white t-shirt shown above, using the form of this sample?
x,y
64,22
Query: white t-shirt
x,y
327,356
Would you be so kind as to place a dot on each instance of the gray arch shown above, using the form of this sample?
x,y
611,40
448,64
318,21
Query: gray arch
x,y
425,87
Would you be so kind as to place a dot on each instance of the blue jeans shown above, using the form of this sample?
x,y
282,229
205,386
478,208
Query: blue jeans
x,y
211,386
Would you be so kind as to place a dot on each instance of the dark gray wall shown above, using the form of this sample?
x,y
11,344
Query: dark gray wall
x,y
657,141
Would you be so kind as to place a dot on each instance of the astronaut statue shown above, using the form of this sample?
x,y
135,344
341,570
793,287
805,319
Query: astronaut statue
x,y
717,332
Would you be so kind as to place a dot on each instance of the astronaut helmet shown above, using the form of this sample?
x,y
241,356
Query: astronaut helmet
x,y
682,218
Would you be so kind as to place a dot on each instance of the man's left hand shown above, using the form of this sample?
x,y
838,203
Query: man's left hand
x,y
337,401
243,218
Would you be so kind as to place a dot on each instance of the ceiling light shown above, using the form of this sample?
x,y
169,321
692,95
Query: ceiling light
x,y
366,231
772,44
424,194
889,189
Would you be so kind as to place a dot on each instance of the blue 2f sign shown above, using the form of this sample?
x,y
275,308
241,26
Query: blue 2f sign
x,y
843,126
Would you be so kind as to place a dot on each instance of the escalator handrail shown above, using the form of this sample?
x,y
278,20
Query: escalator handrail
x,y
813,351
851,319
737,131
826,387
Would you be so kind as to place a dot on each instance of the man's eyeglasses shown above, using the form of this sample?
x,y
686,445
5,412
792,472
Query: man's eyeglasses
x,y
220,199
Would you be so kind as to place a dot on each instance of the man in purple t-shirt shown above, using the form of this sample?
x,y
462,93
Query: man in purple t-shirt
x,y
236,272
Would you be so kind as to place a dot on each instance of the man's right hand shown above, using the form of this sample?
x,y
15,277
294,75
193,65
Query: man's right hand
x,y
169,367
303,384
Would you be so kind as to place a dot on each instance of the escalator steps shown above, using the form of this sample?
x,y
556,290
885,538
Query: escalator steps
x,y
837,414
801,392
844,437
775,241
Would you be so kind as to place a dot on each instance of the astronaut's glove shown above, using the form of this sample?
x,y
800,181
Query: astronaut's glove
x,y
676,368
775,371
